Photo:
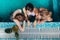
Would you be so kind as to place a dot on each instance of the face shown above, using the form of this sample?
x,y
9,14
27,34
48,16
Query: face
x,y
28,11
20,18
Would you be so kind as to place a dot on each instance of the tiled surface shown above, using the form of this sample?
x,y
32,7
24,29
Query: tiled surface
x,y
33,33
6,24
44,31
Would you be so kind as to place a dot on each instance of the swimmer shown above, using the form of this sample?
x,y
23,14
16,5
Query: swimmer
x,y
43,16
46,15
29,13
18,17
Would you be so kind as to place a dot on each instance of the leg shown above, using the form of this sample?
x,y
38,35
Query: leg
x,y
28,22
35,23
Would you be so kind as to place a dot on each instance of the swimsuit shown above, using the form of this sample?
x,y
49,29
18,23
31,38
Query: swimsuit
x,y
31,16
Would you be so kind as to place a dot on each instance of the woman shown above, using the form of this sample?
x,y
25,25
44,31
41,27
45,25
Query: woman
x,y
18,17
30,13
46,15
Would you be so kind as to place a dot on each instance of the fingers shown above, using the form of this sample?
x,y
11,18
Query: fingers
x,y
22,29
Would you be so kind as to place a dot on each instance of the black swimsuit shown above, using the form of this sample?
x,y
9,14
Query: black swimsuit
x,y
31,18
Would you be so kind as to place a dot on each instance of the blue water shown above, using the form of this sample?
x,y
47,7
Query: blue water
x,y
43,25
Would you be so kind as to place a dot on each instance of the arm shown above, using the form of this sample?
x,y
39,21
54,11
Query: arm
x,y
17,11
18,24
35,22
24,23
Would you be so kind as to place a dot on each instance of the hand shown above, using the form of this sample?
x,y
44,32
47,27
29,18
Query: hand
x,y
22,29
49,19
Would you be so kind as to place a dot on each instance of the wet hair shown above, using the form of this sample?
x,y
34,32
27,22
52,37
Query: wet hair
x,y
8,30
29,7
20,14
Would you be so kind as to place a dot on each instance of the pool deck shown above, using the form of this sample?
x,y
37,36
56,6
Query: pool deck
x,y
45,30
33,33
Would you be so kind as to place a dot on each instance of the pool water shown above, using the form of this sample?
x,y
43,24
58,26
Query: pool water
x,y
42,25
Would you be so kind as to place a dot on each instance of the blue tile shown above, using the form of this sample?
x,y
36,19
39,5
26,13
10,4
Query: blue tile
x,y
43,25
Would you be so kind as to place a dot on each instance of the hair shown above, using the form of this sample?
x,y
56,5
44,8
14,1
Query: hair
x,y
29,7
8,30
20,14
